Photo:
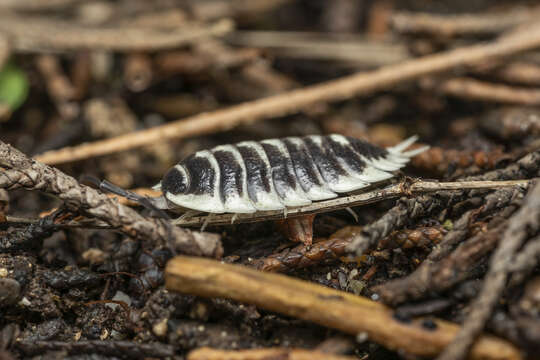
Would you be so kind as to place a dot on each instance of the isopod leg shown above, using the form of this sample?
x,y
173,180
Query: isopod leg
x,y
187,215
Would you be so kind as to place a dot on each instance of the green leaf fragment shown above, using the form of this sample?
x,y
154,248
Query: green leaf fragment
x,y
13,86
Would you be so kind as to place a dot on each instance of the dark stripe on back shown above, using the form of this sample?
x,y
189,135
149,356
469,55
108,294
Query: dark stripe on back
x,y
347,154
325,160
202,174
282,169
304,168
366,149
257,172
231,174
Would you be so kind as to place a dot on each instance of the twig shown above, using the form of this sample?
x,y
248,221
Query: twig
x,y
87,223
525,262
323,46
32,175
518,72
59,86
35,5
370,197
336,309
469,88
526,221
207,10
39,34
410,209
263,354
29,238
5,50
513,122
129,349
469,24
416,284
296,100
194,62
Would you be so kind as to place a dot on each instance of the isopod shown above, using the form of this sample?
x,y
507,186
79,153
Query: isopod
x,y
278,174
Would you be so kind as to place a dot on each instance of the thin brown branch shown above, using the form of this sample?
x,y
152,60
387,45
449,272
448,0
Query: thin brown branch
x,y
87,223
263,354
296,100
22,172
525,261
525,222
467,24
35,5
469,88
323,46
215,9
513,122
389,192
517,72
335,309
39,34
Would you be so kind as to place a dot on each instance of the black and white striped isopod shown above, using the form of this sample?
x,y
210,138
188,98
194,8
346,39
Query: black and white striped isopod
x,y
277,174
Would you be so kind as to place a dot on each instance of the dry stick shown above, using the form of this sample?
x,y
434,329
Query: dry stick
x,y
38,34
473,24
328,307
5,50
526,221
323,46
32,175
525,262
17,221
263,354
427,277
207,10
121,348
370,197
518,72
410,209
469,88
35,5
296,100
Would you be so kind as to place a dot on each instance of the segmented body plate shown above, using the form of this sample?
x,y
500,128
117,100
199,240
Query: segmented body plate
x,y
280,173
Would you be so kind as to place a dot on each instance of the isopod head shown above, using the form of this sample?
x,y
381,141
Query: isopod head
x,y
175,181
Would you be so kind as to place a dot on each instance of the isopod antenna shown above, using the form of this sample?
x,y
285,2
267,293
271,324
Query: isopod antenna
x,y
107,186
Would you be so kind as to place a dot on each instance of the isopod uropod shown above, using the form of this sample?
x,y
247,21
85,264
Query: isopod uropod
x,y
277,174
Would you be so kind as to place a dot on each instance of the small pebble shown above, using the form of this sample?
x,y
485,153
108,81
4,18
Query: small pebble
x,y
160,328
94,256
10,290
362,337
119,296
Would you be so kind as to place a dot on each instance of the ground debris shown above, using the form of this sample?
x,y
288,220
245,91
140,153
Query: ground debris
x,y
122,90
